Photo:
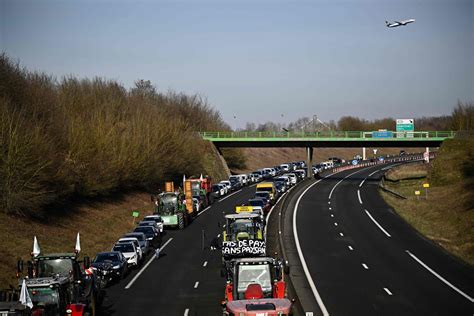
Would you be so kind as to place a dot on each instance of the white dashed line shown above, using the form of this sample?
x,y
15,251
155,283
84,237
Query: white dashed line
x,y
365,266
330,209
196,284
329,202
388,291
202,212
186,312
440,277
218,235
342,235
360,185
146,265
335,224
358,195
332,215
373,173
350,248
376,223
229,196
204,264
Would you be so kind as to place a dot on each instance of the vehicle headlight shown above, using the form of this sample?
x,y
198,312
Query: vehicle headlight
x,y
116,267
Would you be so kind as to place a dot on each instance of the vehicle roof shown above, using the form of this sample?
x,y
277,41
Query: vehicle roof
x,y
241,306
265,184
69,255
241,216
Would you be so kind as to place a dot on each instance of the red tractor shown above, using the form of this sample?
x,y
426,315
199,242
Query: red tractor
x,y
198,193
255,286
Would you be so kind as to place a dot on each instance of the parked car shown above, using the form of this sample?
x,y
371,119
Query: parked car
x,y
235,184
113,262
135,241
292,176
280,186
151,234
157,218
129,251
227,184
144,244
153,224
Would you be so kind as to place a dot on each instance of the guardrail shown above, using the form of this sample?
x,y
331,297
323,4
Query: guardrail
x,y
330,135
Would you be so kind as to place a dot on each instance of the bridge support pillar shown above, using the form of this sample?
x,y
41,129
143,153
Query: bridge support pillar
x,y
364,155
309,161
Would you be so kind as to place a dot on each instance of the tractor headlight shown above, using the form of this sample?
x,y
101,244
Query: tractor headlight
x,y
116,267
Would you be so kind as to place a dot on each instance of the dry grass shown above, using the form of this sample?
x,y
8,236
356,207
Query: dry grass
x,y
100,224
411,171
442,216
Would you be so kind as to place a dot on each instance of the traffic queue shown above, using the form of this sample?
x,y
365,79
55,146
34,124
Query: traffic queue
x,y
255,281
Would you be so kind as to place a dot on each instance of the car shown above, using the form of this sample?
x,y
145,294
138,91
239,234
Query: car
x,y
293,178
115,259
280,187
257,175
264,195
235,184
157,218
144,244
151,234
301,173
285,167
129,251
227,184
261,203
402,153
150,223
245,179
284,178
135,241
217,190
223,189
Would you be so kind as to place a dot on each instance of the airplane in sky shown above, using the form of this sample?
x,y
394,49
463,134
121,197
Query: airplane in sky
x,y
399,23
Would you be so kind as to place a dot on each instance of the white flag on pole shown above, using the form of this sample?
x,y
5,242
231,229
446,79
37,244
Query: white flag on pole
x,y
78,244
25,296
36,248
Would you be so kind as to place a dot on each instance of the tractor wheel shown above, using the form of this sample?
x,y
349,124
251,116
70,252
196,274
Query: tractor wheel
x,y
180,221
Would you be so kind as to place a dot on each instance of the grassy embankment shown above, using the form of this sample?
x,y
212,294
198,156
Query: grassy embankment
x,y
446,215
69,144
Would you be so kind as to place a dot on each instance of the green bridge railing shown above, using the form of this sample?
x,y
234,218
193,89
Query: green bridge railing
x,y
327,135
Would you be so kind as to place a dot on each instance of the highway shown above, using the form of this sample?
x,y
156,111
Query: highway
x,y
363,259
185,279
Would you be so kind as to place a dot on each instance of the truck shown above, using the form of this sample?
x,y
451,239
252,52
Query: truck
x,y
57,285
256,286
243,236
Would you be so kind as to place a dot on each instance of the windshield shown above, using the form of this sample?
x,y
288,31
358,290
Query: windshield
x,y
44,296
124,248
140,237
168,203
254,274
266,189
102,257
242,226
262,194
147,230
51,267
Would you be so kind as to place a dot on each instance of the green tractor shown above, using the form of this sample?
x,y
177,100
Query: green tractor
x,y
170,206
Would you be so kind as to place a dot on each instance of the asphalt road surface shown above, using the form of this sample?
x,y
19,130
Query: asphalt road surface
x,y
185,279
365,260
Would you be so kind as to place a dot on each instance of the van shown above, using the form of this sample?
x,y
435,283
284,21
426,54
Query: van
x,y
268,187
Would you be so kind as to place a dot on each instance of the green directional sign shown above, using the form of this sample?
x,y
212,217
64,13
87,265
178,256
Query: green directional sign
x,y
135,213
405,128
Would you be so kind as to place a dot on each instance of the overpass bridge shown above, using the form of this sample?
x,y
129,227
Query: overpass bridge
x,y
310,140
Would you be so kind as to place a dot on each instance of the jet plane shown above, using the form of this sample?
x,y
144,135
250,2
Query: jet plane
x,y
399,23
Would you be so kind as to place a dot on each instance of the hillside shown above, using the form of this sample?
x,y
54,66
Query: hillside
x,y
444,214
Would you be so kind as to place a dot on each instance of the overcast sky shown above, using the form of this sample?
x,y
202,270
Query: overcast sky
x,y
260,60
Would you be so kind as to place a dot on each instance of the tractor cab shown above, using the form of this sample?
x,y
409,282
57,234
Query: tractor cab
x,y
243,226
255,279
249,209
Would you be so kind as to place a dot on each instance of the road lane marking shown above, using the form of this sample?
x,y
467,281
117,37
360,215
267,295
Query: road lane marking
x,y
374,172
199,214
365,266
332,215
334,187
360,185
388,291
376,223
350,248
440,277
358,195
300,252
196,284
204,264
146,265
229,196
335,224
186,312
341,234
330,209
219,235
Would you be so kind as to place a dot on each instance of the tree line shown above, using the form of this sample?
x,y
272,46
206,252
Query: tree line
x,y
92,137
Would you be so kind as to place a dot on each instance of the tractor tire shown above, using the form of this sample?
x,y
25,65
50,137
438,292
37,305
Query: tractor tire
x,y
180,221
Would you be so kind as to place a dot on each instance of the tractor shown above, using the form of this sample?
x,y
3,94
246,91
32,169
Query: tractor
x,y
170,206
198,189
256,286
58,285
243,236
